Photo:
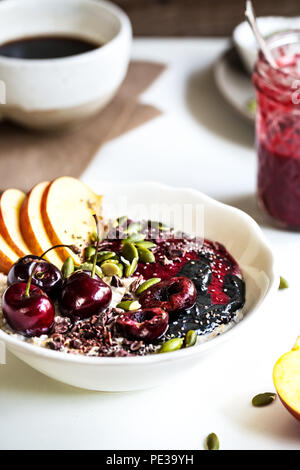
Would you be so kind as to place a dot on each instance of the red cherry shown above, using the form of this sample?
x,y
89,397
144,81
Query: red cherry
x,y
172,295
47,276
30,315
146,325
83,295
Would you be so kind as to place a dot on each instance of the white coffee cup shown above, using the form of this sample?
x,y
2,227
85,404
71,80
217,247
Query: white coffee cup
x,y
60,92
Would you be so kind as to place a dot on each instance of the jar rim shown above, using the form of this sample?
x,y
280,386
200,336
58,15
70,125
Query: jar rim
x,y
277,40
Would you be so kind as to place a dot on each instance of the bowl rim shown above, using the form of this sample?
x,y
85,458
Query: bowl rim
x,y
115,10
38,351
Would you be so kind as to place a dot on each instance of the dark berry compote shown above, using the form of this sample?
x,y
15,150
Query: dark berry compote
x,y
139,290
220,289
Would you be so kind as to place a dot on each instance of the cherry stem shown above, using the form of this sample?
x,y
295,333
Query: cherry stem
x,y
30,279
71,247
97,245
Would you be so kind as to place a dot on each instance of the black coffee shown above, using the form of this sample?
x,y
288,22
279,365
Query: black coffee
x,y
46,47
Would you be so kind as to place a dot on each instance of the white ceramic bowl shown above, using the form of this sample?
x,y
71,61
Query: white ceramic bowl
x,y
245,42
232,227
56,93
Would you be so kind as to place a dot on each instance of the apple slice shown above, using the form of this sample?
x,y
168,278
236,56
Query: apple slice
x,y
10,205
67,209
286,377
32,225
7,256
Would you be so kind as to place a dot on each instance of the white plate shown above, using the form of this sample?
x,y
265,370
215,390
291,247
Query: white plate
x,y
235,85
236,230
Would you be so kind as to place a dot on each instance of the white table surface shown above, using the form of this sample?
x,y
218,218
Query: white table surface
x,y
198,142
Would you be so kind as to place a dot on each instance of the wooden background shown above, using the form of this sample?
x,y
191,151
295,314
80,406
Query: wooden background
x,y
197,17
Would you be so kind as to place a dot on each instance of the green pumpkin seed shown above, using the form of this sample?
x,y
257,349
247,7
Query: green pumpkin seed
x,y
129,252
134,227
104,255
158,225
130,269
89,267
190,338
129,305
212,442
147,284
171,345
93,237
263,399
125,261
121,220
89,252
134,238
145,244
68,267
112,269
145,255
283,283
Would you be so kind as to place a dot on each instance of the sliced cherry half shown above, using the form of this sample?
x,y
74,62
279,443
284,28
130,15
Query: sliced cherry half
x,y
144,325
172,295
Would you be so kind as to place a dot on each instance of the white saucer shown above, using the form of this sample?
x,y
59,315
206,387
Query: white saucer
x,y
235,84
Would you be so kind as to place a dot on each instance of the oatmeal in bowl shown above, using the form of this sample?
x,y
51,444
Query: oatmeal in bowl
x,y
125,290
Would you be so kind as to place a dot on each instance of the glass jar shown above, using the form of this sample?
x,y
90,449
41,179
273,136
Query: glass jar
x,y
278,129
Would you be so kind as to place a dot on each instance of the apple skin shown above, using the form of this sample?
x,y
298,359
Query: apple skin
x,y
32,226
7,256
10,204
286,378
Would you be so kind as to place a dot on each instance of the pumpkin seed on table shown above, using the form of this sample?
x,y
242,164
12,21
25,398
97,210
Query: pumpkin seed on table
x,y
190,338
145,255
129,305
145,285
89,267
89,252
171,345
105,255
129,252
130,268
68,267
283,283
212,442
263,399
112,269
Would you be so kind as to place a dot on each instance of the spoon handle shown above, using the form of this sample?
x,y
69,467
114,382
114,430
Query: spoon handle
x,y
250,16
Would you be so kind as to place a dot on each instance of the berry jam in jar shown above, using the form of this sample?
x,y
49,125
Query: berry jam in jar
x,y
278,129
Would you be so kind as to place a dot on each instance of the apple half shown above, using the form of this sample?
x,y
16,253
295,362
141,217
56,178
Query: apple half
x,y
32,225
286,377
67,210
11,201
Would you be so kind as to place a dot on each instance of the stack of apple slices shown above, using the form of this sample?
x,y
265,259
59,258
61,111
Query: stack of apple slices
x,y
57,212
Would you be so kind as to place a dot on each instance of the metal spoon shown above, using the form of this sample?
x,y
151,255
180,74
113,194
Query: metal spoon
x,y
251,18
